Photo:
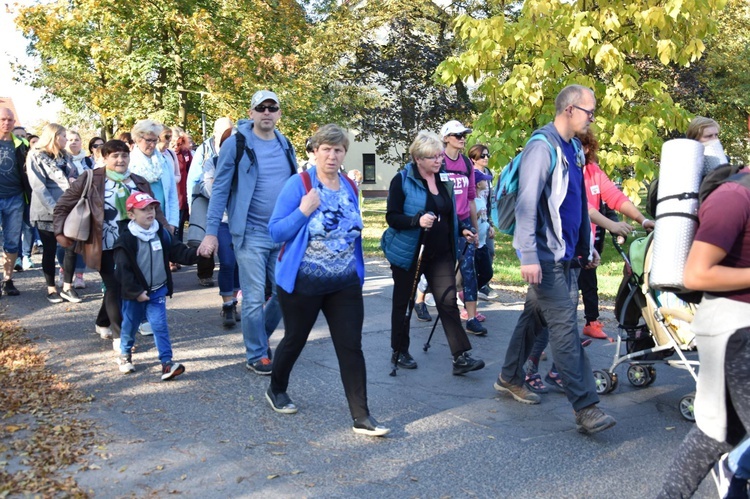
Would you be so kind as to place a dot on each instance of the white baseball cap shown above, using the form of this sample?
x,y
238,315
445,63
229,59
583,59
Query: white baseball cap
x,y
261,96
453,126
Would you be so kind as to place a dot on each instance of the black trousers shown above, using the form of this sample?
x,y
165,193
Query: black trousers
x,y
588,285
441,278
49,256
345,312
110,314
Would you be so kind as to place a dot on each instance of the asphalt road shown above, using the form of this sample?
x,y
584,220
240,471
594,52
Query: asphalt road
x,y
210,433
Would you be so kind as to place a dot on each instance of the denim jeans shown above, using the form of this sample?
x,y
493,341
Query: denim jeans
x,y
229,276
256,259
11,218
468,271
28,234
739,460
155,311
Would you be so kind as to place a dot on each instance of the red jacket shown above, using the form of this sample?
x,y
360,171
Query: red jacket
x,y
600,188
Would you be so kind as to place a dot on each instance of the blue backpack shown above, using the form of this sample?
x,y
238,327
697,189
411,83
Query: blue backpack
x,y
506,191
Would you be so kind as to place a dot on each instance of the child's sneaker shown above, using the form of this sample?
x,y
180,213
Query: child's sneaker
x,y
145,329
126,364
171,370
422,313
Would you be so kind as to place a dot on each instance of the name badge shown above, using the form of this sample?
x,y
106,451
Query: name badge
x,y
594,189
156,245
444,177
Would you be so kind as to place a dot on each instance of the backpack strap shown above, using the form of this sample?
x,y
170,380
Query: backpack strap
x,y
469,166
306,181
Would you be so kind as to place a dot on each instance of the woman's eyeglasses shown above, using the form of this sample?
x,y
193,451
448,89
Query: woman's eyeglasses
x,y
484,155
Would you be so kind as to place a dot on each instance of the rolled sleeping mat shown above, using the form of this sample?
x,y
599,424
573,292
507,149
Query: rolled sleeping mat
x,y
680,176
198,214
713,156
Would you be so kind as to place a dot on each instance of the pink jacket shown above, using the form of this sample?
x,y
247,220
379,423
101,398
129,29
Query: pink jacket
x,y
600,188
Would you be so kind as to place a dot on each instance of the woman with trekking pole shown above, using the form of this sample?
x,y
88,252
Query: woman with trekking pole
x,y
421,238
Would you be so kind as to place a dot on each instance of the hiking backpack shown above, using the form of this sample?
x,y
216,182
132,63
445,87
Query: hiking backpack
x,y
506,191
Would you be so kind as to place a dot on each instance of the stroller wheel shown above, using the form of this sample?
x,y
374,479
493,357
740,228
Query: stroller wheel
x,y
687,404
605,383
652,373
639,375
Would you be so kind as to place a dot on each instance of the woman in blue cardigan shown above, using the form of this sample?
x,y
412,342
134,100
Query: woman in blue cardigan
x,y
321,267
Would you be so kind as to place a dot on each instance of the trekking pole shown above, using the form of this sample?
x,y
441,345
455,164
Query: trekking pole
x,y
410,306
434,324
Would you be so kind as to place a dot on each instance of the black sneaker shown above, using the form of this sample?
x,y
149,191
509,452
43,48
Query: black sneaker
x,y
592,420
280,402
53,297
464,363
227,312
404,361
9,289
262,366
422,313
368,426
237,315
70,295
171,370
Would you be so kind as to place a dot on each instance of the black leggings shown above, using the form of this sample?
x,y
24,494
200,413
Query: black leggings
x,y
698,452
48,259
441,278
344,311
109,311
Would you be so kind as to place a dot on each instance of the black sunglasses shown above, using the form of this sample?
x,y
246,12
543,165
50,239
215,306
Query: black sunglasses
x,y
484,155
459,136
261,108
96,146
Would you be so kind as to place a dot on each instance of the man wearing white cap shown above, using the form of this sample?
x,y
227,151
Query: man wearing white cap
x,y
253,166
461,172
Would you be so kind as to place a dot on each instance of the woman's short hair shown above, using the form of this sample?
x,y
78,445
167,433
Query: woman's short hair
x,y
330,134
425,145
126,137
114,146
92,142
698,125
477,150
48,139
590,145
145,127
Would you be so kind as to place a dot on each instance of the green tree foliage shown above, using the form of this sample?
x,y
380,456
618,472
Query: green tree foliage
x,y
121,61
521,58
377,60
718,86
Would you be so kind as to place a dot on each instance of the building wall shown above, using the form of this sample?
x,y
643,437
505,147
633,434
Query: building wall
x,y
361,156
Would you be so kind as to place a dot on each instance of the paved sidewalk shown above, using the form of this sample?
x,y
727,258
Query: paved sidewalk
x,y
210,433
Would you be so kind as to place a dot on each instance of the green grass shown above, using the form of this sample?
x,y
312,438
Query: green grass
x,y
505,265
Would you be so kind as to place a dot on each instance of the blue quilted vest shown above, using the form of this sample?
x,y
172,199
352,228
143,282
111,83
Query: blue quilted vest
x,y
400,246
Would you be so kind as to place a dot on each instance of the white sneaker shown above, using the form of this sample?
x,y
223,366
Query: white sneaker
x,y
429,300
125,364
145,329
722,475
104,332
78,282
26,263
116,345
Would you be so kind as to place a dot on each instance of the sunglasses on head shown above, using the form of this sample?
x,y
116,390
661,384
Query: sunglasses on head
x,y
459,136
261,108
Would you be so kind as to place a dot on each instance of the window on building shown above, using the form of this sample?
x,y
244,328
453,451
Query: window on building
x,y
368,169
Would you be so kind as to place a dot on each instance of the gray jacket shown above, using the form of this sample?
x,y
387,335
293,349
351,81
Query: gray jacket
x,y
49,177
538,235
